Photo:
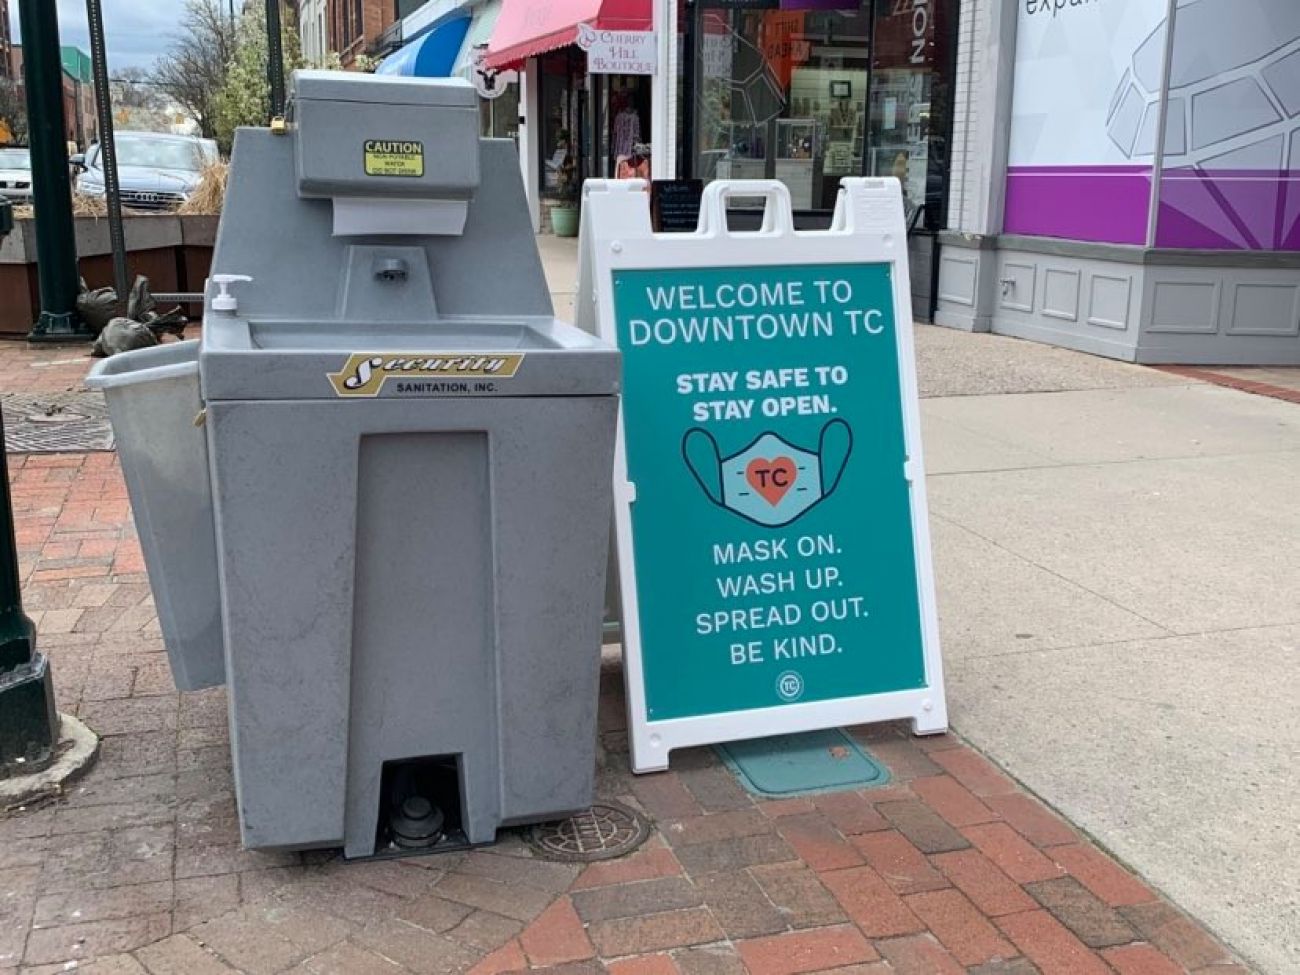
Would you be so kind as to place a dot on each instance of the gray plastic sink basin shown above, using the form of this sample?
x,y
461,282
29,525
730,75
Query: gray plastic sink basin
x,y
445,335
273,359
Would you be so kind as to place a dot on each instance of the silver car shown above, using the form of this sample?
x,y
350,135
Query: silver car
x,y
155,170
15,175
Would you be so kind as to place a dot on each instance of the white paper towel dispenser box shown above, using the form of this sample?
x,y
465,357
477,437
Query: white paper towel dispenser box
x,y
396,155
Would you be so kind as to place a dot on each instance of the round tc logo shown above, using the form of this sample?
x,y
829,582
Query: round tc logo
x,y
789,686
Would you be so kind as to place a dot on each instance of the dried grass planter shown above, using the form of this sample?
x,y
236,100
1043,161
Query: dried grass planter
x,y
82,206
209,196
174,251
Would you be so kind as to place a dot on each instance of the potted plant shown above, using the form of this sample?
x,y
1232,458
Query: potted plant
x,y
564,212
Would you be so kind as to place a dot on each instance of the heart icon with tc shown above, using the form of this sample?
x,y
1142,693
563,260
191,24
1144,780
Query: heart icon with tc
x,y
771,478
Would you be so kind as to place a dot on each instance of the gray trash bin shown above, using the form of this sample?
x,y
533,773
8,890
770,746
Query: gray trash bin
x,y
411,464
153,400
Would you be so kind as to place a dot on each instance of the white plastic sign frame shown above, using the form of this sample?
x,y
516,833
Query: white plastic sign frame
x,y
867,227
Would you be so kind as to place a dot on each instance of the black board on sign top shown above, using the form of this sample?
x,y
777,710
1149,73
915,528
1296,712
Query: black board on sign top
x,y
675,205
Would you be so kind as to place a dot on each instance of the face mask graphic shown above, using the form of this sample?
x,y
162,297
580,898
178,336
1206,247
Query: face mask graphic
x,y
772,482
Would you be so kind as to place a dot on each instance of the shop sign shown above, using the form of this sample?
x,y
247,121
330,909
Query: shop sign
x,y
675,205
904,36
617,51
783,44
716,46
490,83
773,543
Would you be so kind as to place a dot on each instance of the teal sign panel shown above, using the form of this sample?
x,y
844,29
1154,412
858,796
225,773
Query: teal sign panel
x,y
772,526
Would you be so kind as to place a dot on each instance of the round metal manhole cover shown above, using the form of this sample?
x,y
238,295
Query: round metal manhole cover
x,y
605,831
56,422
57,414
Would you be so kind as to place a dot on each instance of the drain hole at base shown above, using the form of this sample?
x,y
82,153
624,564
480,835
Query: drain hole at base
x,y
420,807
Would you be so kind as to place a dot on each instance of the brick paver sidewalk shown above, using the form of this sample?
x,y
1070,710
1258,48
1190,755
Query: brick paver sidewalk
x,y
1277,382
45,368
950,868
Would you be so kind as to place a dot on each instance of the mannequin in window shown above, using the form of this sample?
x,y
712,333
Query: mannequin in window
x,y
627,128
902,170
636,165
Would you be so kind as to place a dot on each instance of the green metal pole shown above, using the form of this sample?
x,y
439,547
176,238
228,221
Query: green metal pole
x,y
56,250
29,724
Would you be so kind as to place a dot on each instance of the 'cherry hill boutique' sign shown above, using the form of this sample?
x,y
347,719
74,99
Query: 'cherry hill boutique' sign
x,y
617,51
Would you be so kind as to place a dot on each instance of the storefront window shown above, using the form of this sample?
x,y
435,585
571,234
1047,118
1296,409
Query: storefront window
x,y
911,93
564,143
499,117
782,94
811,91
623,126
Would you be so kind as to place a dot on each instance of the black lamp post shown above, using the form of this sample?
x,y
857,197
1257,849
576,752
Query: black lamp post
x,y
275,58
56,250
29,725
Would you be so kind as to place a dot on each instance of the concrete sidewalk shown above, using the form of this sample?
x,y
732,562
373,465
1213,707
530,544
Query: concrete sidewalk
x,y
1118,576
1118,559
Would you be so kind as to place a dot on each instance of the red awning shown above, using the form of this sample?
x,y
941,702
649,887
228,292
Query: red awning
x,y
528,27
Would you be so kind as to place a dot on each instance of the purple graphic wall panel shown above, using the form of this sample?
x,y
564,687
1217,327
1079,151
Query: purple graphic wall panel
x,y
1105,204
1230,209
1232,150
1231,163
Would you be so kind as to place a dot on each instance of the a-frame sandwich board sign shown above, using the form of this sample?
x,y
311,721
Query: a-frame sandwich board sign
x,y
770,513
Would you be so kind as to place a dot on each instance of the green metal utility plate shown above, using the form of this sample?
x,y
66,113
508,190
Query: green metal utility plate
x,y
811,762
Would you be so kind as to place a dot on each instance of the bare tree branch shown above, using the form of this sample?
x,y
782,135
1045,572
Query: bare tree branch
x,y
193,71
132,87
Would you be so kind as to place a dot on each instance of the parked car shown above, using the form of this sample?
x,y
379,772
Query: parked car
x,y
155,170
15,174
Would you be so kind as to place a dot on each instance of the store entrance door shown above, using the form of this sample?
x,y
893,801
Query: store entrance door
x,y
566,145
622,120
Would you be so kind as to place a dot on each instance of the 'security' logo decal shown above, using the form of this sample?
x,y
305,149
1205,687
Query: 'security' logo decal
x,y
423,373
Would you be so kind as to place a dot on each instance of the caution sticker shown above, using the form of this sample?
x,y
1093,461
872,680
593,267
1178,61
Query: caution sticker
x,y
386,158
424,373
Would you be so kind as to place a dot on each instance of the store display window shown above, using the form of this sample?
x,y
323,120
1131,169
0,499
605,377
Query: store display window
x,y
564,145
624,150
782,94
911,102
499,117
811,91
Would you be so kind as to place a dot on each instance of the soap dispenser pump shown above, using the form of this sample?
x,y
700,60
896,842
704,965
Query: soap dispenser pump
x,y
224,301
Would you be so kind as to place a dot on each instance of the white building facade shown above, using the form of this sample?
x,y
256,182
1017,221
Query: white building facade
x,y
313,32
1126,178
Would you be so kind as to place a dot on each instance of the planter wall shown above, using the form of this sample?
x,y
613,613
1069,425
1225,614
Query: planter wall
x,y
198,237
173,252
